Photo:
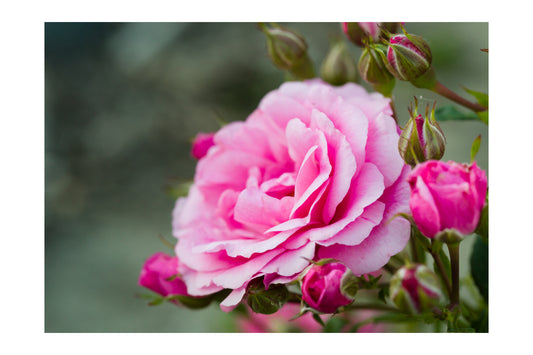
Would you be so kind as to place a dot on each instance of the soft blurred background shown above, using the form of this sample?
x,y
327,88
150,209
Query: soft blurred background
x,y
123,101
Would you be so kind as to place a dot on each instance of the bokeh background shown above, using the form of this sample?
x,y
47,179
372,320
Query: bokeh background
x,y
122,102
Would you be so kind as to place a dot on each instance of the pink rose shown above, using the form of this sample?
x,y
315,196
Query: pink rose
x,y
321,287
314,172
447,196
159,275
201,144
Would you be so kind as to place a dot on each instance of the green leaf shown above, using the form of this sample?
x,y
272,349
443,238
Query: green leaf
x,y
266,301
451,113
484,116
481,98
479,266
475,148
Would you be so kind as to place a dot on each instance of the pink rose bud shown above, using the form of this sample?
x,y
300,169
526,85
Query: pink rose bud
x,y
408,56
447,197
339,67
415,289
422,138
321,287
373,69
201,144
159,274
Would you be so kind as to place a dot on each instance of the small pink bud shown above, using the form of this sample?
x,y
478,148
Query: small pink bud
x,y
321,287
447,198
408,56
159,274
201,144
415,289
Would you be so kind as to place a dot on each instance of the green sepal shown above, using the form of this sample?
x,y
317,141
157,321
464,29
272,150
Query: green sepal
x,y
349,285
475,148
483,116
481,98
319,320
421,239
266,301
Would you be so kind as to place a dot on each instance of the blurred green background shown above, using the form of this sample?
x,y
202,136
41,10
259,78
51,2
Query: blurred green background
x,y
123,100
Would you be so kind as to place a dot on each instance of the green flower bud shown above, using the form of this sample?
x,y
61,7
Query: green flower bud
x,y
339,67
415,289
373,70
288,51
422,138
408,56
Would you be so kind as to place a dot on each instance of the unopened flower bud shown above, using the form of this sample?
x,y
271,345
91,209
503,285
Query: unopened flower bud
x,y
361,32
159,274
288,51
321,287
415,289
422,138
408,56
201,144
339,67
373,70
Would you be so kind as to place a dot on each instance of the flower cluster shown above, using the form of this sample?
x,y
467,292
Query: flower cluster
x,y
313,198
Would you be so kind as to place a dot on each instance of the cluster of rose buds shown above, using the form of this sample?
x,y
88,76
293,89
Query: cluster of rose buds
x,y
388,55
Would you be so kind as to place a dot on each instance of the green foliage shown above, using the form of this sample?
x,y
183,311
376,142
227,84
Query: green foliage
x,y
451,113
481,98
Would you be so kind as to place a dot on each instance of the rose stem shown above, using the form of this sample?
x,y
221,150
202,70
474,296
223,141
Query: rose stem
x,y
443,273
444,91
453,248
